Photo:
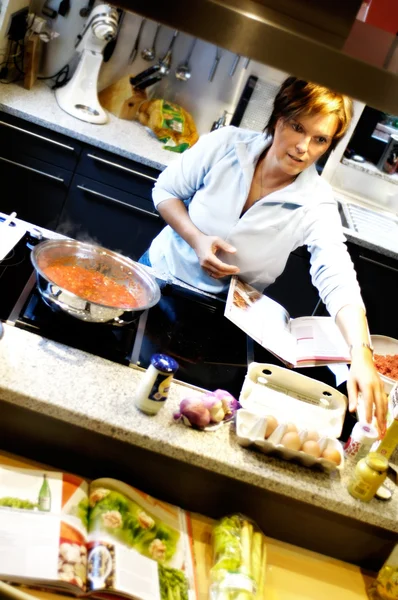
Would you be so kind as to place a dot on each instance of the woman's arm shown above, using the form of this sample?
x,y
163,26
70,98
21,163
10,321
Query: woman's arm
x,y
175,213
363,377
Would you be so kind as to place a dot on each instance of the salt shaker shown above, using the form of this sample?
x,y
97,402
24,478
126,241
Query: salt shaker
x,y
153,390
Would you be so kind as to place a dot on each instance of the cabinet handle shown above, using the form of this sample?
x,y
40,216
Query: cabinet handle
x,y
33,170
125,204
112,164
379,264
41,137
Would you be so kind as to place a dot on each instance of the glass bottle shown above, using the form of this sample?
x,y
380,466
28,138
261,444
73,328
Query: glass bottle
x,y
44,500
386,585
370,472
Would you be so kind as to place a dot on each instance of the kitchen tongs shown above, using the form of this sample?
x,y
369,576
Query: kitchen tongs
x,y
157,71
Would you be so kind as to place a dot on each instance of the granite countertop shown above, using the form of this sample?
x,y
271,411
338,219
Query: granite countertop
x,y
126,138
93,393
371,169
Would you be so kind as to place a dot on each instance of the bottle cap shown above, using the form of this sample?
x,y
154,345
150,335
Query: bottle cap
x,y
164,363
377,462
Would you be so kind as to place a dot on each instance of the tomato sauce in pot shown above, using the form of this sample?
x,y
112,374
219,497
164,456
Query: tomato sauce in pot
x,y
92,285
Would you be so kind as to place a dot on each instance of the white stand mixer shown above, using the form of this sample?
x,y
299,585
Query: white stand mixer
x,y
79,96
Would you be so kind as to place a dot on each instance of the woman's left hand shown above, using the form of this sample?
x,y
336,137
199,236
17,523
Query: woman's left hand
x,y
364,379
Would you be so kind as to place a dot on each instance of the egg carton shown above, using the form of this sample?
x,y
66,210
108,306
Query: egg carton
x,y
251,428
291,398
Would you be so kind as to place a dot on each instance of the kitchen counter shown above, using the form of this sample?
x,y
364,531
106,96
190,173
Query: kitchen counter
x,y
126,138
371,169
77,388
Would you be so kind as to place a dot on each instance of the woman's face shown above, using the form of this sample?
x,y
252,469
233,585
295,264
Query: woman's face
x,y
299,142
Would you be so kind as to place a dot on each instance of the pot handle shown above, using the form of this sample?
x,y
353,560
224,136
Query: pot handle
x,y
52,299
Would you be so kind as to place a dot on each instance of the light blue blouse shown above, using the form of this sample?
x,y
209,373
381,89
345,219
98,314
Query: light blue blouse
x,y
213,178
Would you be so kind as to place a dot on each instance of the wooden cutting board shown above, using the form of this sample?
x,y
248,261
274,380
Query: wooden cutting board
x,y
32,56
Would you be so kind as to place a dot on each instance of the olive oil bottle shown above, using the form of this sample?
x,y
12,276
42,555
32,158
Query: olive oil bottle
x,y
44,500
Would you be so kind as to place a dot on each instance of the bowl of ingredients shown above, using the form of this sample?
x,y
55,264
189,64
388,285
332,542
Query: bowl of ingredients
x,y
386,359
92,283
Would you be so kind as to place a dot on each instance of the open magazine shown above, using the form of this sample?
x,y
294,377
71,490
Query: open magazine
x,y
301,342
102,539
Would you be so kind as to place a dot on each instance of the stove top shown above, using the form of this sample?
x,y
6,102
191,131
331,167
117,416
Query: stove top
x,y
191,327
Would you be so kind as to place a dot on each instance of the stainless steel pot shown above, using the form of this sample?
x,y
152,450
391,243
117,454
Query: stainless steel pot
x,y
123,270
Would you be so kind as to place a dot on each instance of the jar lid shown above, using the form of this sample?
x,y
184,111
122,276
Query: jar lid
x,y
164,363
377,462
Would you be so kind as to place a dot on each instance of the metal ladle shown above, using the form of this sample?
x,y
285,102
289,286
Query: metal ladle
x,y
183,71
149,54
165,61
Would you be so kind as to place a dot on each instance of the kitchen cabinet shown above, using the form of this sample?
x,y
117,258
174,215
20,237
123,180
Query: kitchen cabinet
x,y
118,172
36,190
378,278
18,138
60,183
110,202
95,212
38,165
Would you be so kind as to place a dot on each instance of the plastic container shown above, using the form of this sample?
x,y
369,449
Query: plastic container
x,y
363,436
291,398
239,560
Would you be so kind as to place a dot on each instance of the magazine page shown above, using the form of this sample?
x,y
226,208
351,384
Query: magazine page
x,y
43,528
319,341
137,546
263,319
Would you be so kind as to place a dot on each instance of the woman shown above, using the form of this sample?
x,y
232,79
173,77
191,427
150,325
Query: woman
x,y
239,202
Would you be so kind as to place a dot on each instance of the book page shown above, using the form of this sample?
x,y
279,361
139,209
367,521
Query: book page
x,y
263,319
42,534
135,539
319,340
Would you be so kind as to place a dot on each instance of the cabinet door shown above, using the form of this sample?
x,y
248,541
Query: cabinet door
x,y
378,279
118,172
34,189
19,138
110,217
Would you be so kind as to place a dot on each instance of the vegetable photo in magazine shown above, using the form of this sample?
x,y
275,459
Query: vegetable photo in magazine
x,y
102,539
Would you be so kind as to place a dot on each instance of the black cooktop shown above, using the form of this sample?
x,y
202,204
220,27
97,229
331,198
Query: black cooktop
x,y
191,327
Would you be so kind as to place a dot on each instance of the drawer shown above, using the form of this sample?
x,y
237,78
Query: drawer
x,y
101,214
118,172
34,189
20,137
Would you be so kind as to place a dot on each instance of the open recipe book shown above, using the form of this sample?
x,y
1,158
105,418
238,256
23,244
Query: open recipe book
x,y
102,539
301,342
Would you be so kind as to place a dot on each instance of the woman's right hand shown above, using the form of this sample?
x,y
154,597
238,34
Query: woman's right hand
x,y
206,248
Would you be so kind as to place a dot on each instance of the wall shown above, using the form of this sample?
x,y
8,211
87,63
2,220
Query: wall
x,y
384,14
205,100
8,7
371,44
